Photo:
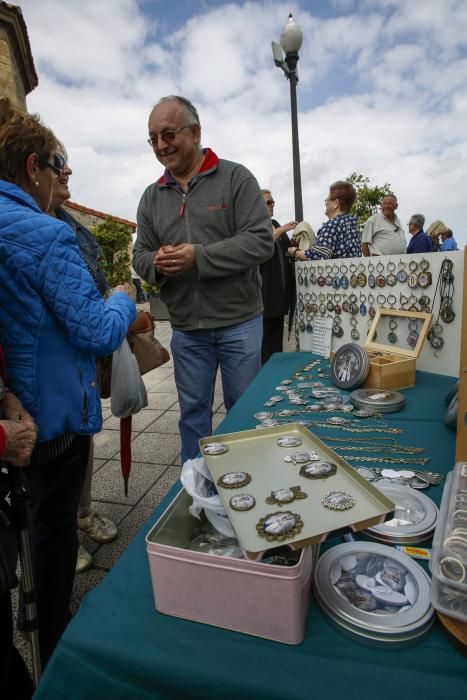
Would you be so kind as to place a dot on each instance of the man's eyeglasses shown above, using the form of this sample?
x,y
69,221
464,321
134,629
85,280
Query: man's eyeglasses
x,y
166,136
57,164
270,202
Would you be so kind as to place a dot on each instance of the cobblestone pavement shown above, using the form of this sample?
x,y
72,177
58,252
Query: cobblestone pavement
x,y
155,468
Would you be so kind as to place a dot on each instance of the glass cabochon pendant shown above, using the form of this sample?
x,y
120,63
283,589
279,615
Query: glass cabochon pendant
x,y
301,457
233,480
289,441
338,500
215,448
318,470
283,496
279,526
242,501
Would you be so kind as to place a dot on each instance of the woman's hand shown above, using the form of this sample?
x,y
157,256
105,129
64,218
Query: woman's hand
x,y
20,440
20,431
296,253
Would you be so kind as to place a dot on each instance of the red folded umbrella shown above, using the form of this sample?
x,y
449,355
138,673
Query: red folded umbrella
x,y
125,450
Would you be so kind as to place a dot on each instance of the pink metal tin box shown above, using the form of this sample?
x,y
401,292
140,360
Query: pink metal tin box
x,y
246,596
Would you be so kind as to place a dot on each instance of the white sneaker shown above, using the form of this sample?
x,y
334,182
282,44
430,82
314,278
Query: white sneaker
x,y
84,560
97,527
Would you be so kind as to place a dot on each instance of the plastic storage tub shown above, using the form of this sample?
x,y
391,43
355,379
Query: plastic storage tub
x,y
448,563
264,600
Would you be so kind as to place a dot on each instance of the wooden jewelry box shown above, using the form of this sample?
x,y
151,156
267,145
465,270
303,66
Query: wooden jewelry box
x,y
393,365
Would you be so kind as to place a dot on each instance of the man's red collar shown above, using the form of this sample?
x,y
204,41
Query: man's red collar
x,y
210,161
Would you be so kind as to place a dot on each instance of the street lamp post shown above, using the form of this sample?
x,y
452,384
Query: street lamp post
x,y
291,41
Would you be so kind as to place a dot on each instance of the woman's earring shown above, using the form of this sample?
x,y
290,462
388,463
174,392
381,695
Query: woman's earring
x,y
36,183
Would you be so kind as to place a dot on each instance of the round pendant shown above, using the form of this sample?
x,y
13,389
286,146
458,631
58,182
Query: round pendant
x,y
424,279
402,276
301,457
338,500
233,480
215,448
279,526
362,279
391,279
344,282
380,280
412,339
447,314
336,420
242,501
371,281
353,281
412,280
436,342
284,496
354,334
263,415
289,441
338,331
318,470
392,337
336,282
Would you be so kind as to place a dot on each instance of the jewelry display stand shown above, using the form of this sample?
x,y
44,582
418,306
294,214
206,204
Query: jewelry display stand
x,y
351,290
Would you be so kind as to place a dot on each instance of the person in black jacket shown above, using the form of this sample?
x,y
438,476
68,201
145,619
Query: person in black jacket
x,y
278,285
98,527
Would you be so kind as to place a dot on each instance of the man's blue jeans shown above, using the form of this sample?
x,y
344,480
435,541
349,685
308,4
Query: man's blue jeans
x,y
197,355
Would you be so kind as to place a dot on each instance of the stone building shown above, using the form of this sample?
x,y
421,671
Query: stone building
x,y
92,217
18,75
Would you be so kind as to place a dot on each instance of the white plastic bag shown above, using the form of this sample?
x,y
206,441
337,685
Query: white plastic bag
x,y
127,391
197,480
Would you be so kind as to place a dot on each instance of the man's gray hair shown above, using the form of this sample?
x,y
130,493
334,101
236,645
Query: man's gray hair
x,y
191,113
418,220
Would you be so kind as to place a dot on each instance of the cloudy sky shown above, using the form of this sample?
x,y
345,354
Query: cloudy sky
x,y
381,92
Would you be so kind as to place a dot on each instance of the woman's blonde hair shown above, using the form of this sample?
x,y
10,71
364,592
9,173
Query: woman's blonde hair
x,y
20,135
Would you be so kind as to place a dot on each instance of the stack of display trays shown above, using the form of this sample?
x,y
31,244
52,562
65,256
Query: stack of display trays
x,y
414,519
378,400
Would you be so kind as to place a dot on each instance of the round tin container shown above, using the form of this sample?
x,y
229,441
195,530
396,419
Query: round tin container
x,y
415,516
374,594
349,366
380,400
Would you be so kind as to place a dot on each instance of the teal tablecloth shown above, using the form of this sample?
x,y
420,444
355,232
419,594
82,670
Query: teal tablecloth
x,y
118,647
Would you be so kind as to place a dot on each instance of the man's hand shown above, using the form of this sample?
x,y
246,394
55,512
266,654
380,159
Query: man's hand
x,y
175,260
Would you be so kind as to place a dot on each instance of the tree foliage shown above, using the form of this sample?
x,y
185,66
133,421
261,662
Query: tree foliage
x,y
368,197
115,240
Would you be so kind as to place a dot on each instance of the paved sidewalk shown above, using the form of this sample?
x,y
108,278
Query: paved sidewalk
x,y
155,468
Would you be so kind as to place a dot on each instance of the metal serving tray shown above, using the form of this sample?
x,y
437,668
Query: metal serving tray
x,y
257,453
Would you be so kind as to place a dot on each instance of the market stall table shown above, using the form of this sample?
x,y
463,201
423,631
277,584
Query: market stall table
x,y
119,647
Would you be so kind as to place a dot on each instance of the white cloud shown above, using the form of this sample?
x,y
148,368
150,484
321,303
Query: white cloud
x,y
380,92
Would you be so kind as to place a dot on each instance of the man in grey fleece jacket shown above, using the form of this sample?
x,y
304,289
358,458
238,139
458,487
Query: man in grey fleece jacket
x,y
203,229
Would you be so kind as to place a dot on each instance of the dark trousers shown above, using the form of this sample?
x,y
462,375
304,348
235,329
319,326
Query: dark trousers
x,y
15,682
273,331
139,290
55,492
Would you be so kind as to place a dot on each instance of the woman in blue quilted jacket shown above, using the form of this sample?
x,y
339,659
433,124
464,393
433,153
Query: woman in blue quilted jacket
x,y
53,324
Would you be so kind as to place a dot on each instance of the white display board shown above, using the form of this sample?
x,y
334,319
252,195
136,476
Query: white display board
x,y
311,294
